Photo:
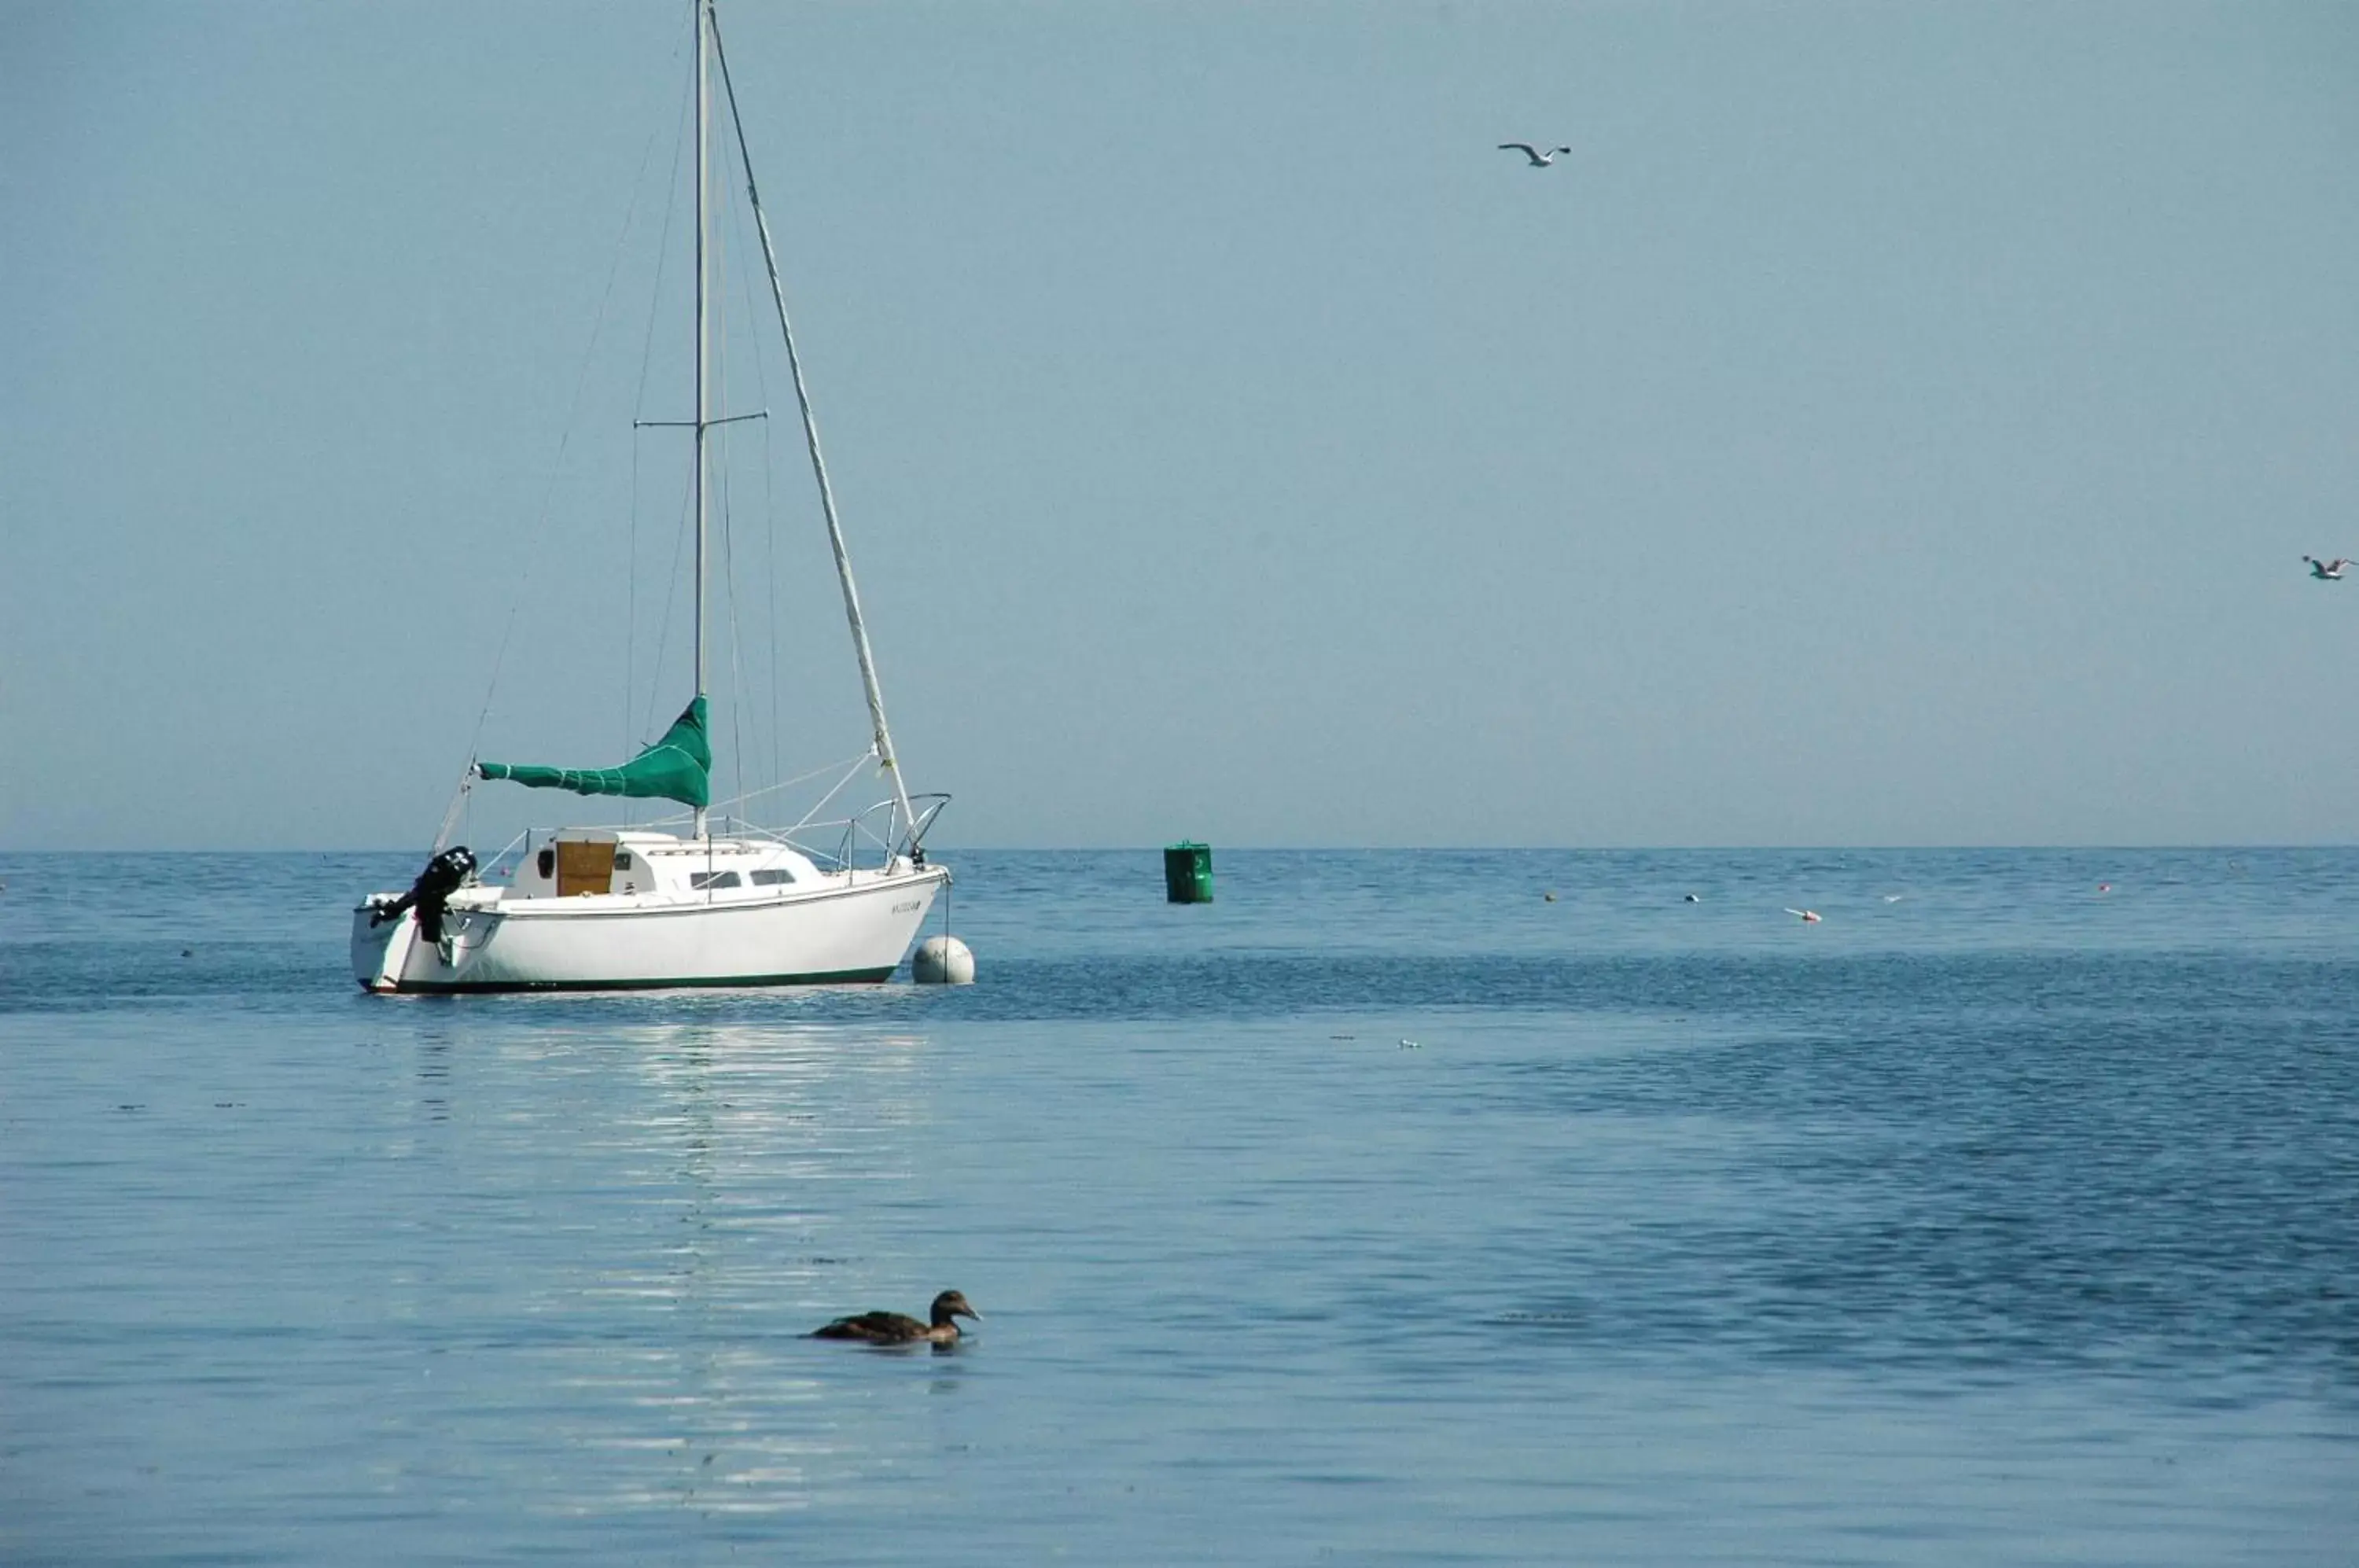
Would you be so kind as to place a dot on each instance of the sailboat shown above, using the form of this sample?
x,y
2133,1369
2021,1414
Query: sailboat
x,y
623,908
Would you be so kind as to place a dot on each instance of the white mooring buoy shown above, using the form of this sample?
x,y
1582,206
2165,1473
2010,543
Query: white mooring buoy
x,y
943,961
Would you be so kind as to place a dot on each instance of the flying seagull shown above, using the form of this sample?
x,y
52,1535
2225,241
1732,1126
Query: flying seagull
x,y
2327,571
1540,159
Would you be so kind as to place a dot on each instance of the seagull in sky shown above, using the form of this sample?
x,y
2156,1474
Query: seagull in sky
x,y
1540,158
1809,917
2327,571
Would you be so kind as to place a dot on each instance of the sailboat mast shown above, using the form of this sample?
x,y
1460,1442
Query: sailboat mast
x,y
703,407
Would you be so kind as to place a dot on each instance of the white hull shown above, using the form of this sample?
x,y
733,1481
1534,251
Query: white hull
x,y
844,930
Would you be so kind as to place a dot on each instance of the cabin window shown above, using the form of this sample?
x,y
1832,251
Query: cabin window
x,y
713,881
622,860
547,861
775,878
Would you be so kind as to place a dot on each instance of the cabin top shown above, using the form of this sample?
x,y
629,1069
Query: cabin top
x,y
578,861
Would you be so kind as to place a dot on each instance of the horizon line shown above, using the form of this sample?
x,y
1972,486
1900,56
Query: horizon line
x,y
1253,848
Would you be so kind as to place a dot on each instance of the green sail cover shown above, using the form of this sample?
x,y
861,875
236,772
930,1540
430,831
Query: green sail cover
x,y
671,770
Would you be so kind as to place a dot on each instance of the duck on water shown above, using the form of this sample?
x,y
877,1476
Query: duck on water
x,y
894,1328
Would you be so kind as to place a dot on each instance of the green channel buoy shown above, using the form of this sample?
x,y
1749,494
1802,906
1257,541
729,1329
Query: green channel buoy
x,y
1187,873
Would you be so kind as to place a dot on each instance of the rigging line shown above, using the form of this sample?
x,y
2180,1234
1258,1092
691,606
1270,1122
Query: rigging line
x,y
862,760
736,646
770,585
565,439
856,762
769,498
672,594
461,800
638,412
871,689
663,246
728,532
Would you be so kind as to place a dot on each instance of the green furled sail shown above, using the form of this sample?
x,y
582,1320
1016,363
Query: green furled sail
x,y
674,768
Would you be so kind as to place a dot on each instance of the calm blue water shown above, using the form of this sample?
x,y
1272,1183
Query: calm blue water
x,y
1994,1219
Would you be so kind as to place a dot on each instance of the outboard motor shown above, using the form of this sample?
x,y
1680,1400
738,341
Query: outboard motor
x,y
444,874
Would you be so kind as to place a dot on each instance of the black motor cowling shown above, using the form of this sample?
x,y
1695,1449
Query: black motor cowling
x,y
444,874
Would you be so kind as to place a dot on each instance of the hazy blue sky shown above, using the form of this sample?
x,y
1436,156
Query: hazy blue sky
x,y
1892,424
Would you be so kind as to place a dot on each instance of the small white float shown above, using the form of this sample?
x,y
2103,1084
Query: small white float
x,y
943,961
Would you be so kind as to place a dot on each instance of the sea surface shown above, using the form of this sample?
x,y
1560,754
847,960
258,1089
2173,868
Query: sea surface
x,y
1384,1211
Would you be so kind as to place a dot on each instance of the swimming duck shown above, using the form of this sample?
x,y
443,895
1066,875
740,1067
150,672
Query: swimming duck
x,y
893,1328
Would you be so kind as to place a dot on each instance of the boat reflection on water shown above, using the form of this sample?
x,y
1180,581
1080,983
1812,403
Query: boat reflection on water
x,y
761,1138
633,1227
